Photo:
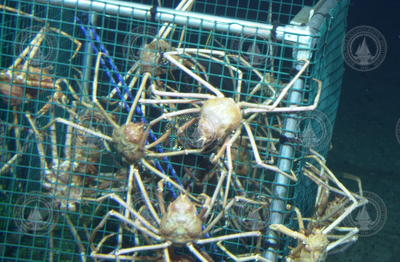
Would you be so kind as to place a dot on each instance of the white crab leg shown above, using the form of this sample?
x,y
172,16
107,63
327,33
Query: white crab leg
x,y
170,56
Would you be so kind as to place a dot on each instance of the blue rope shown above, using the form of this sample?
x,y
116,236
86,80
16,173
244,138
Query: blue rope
x,y
138,109
126,90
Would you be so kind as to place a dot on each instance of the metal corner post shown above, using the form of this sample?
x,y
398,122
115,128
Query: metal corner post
x,y
302,51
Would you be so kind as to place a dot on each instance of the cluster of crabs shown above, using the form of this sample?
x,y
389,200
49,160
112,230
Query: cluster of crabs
x,y
146,205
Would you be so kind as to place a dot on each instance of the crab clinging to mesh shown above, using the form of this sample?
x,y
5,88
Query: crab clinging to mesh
x,y
73,174
129,138
69,173
221,115
322,232
312,244
22,79
180,224
149,56
221,118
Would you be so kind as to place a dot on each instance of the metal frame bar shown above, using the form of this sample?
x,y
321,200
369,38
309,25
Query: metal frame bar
x,y
192,19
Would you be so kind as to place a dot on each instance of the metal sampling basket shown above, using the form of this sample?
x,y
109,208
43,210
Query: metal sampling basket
x,y
55,176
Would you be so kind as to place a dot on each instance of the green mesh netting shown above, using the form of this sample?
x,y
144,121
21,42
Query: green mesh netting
x,y
53,173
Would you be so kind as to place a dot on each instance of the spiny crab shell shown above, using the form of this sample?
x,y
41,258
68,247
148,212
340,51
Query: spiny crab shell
x,y
311,249
181,224
151,59
316,242
129,140
218,117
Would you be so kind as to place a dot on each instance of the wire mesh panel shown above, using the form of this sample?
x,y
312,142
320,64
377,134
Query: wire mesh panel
x,y
118,129
330,68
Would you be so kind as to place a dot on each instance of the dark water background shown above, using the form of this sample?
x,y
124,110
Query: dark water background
x,y
364,141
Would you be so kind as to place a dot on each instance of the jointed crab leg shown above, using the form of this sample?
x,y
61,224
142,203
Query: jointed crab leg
x,y
77,238
196,252
261,108
46,27
39,137
154,47
145,195
290,84
141,220
123,251
166,178
351,236
31,49
343,189
94,93
242,258
165,30
170,57
81,128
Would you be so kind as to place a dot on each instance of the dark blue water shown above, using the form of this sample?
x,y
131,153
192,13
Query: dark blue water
x,y
364,141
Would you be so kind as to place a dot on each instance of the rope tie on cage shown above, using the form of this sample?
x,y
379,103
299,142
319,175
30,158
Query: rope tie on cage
x,y
153,11
275,25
